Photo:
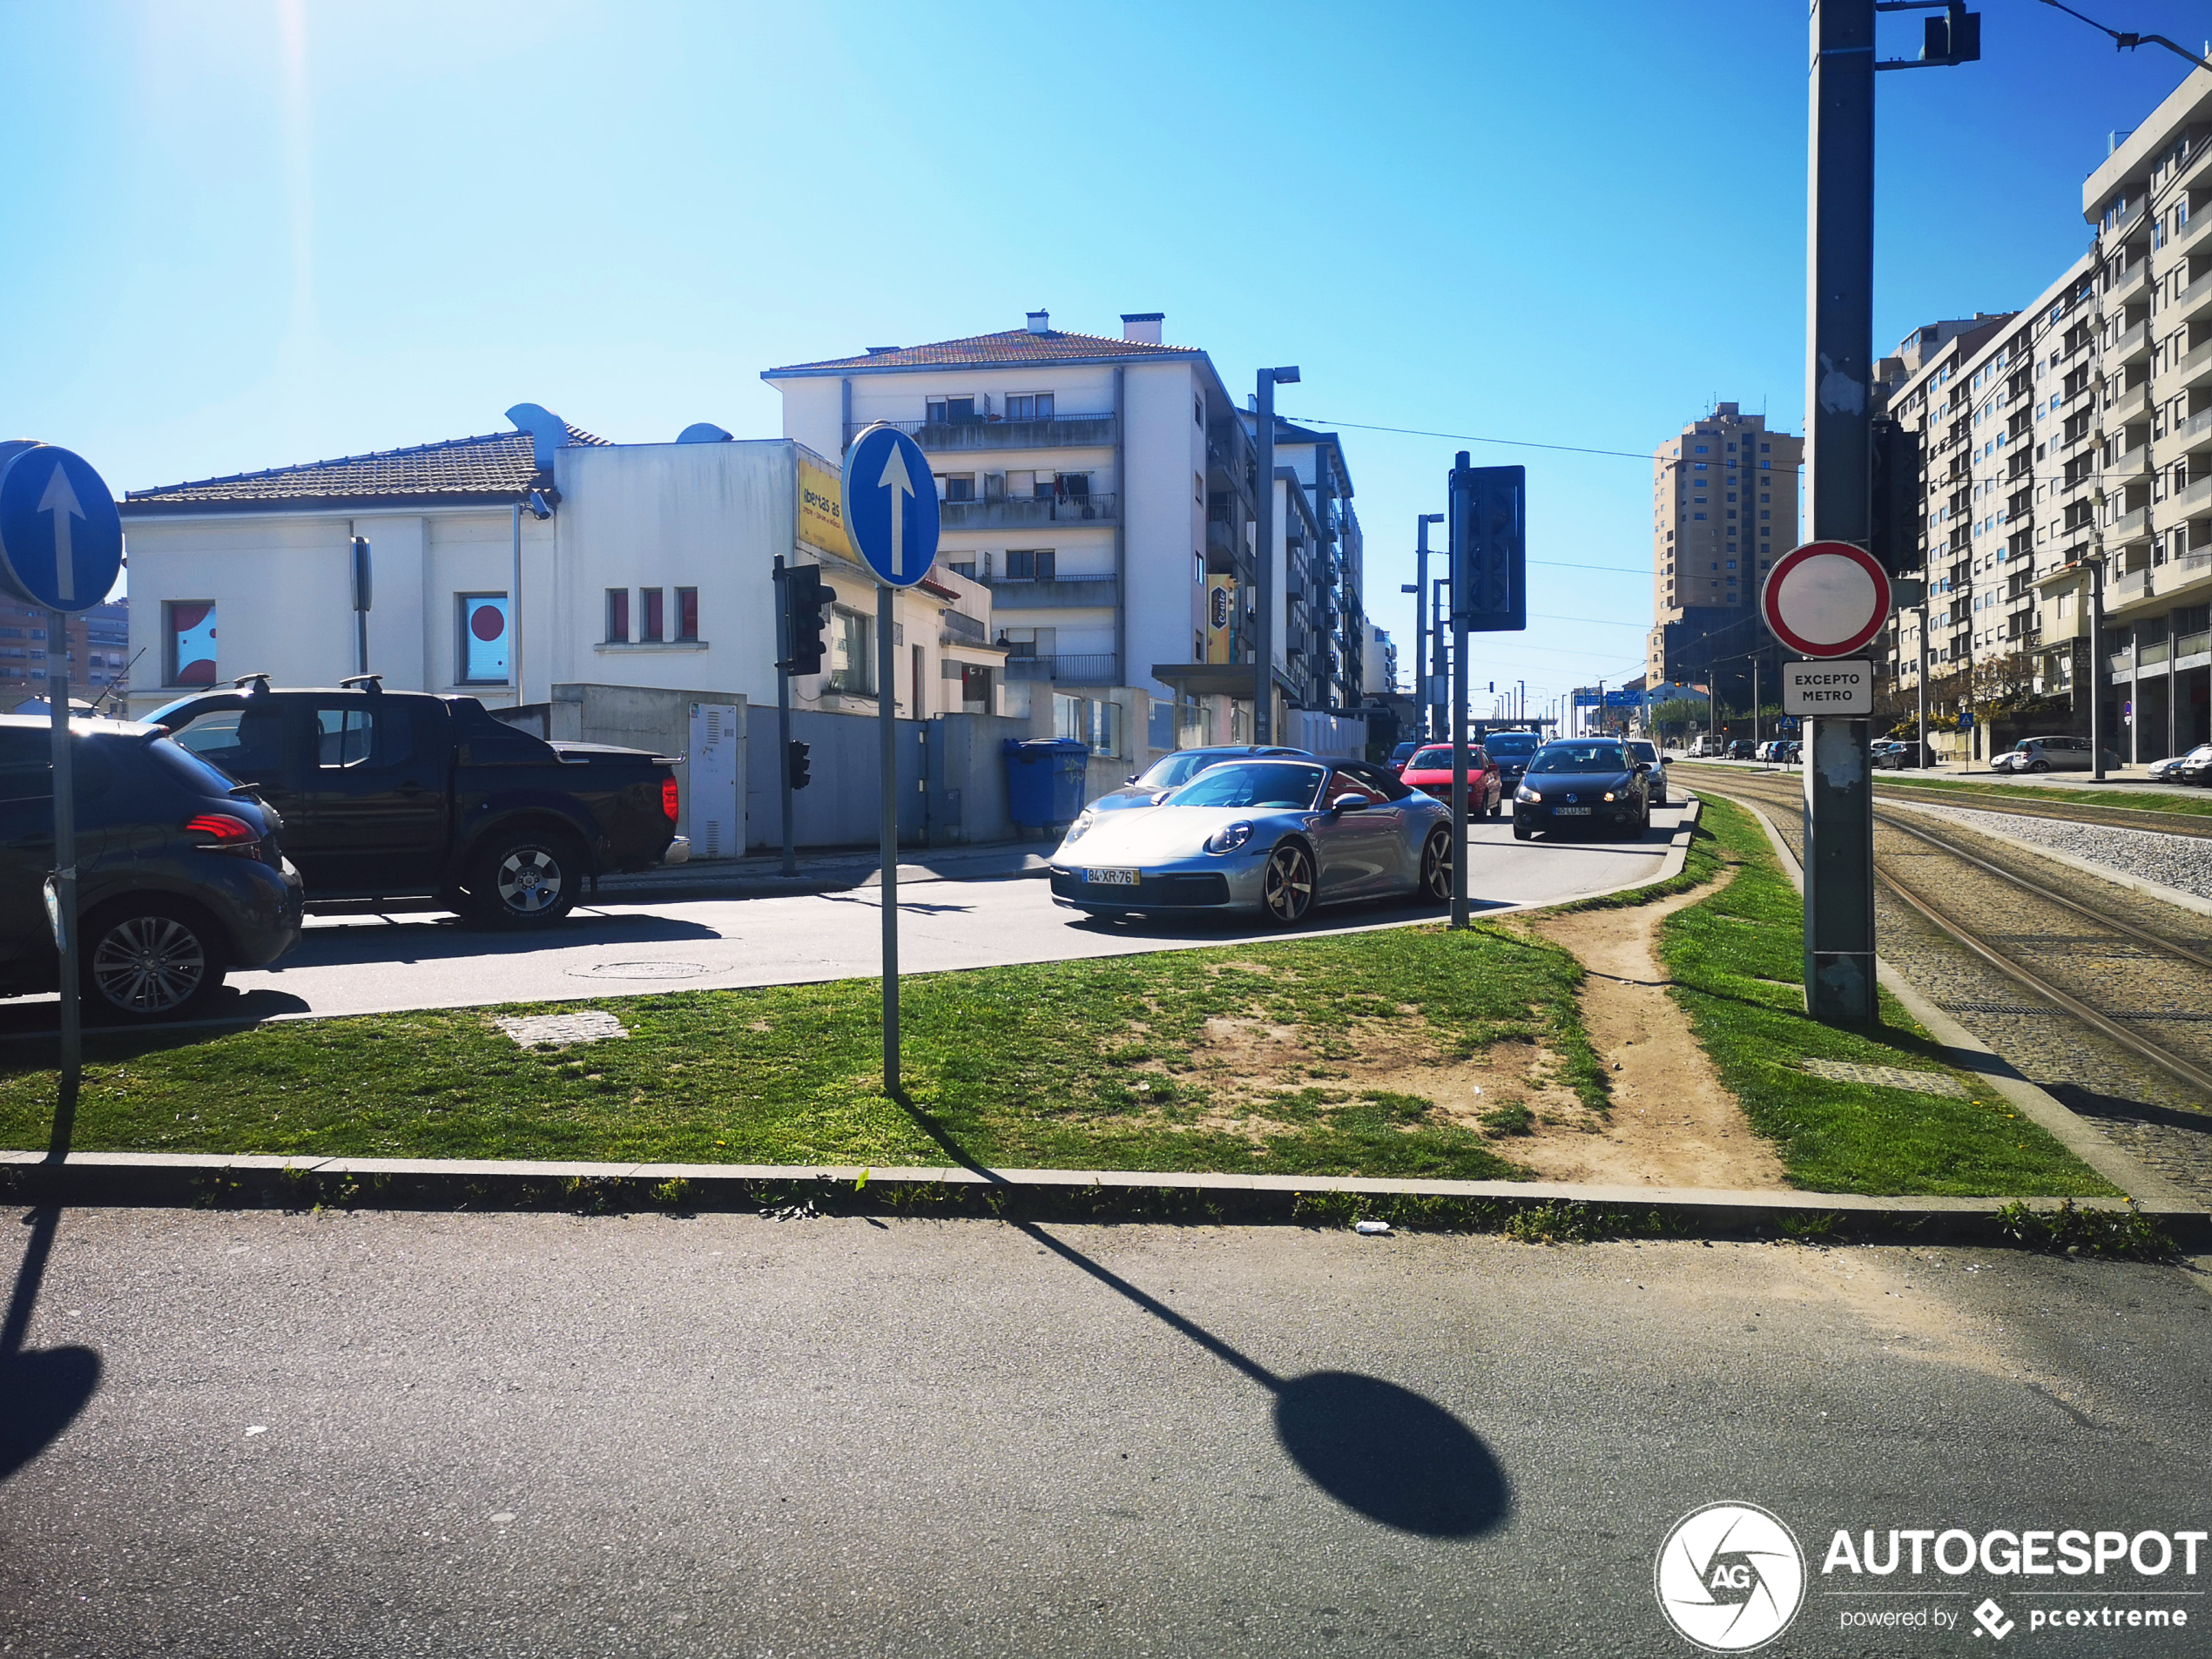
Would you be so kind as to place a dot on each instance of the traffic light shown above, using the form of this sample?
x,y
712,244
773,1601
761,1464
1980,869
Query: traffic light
x,y
1489,554
800,775
806,600
1955,38
1894,530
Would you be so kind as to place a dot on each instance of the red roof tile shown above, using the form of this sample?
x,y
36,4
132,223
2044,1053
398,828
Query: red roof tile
x,y
1016,346
496,467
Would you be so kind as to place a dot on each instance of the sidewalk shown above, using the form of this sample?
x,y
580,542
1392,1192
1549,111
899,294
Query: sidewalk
x,y
833,872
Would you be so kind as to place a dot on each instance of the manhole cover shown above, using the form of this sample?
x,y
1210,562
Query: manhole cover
x,y
639,970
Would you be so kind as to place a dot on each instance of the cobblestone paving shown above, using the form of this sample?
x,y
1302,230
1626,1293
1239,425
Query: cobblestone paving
x,y
562,1030
1909,1078
2159,1120
2180,861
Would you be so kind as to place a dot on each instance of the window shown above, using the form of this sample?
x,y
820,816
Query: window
x,y
1029,565
957,411
1029,406
653,623
1088,720
852,653
342,737
687,614
617,616
483,638
956,486
190,632
1198,413
1700,449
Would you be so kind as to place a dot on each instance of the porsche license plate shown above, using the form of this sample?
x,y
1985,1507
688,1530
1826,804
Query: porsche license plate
x,y
1111,877
1571,812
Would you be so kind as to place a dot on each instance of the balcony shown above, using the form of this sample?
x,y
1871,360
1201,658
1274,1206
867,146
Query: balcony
x,y
2129,287
2133,404
1016,513
2132,347
2193,433
2190,646
1225,548
2191,503
2193,303
2193,370
2127,527
990,432
1009,593
1085,668
961,629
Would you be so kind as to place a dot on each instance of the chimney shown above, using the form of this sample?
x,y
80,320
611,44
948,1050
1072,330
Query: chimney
x,y
1040,322
1143,327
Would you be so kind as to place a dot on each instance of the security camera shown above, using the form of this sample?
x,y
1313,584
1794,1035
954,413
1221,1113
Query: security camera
x,y
538,508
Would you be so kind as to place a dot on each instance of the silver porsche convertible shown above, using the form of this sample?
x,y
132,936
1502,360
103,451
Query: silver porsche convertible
x,y
1278,836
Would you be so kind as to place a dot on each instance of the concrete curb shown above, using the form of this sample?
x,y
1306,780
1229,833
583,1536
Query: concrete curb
x,y
215,1181
1970,1053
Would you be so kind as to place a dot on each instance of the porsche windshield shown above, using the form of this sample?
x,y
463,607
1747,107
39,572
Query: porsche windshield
x,y
1580,757
1273,785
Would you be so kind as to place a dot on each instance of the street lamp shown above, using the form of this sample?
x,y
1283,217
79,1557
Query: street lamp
x,y
1420,636
1263,670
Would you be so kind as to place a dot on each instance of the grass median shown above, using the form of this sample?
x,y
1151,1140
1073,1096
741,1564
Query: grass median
x,y
1319,1055
1736,961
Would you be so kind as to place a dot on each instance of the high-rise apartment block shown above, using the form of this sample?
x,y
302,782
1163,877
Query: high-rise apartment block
x,y
100,640
2069,455
1723,507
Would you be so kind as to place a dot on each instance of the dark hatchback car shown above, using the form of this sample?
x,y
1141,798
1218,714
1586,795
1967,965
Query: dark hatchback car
x,y
180,877
1583,784
1179,769
1512,751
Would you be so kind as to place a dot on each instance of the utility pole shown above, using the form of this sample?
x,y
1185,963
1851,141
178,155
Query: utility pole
x,y
1921,760
1421,640
1264,668
1839,797
2096,663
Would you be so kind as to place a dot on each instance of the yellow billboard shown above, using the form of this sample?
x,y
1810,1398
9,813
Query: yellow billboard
x,y
821,508
1221,618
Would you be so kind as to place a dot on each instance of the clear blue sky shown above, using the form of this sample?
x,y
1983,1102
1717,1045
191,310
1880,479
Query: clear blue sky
x,y
244,235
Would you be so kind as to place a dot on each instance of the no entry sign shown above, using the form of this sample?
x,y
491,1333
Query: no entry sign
x,y
1826,598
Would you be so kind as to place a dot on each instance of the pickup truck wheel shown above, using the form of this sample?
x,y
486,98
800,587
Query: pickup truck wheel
x,y
530,880
150,958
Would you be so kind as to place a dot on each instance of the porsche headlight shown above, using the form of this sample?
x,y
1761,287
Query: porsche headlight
x,y
1229,838
1084,820
1528,794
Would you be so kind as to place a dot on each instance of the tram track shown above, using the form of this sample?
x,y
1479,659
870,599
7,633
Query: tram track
x,y
2130,969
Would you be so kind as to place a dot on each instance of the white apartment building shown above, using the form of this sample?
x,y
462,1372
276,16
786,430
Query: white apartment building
x,y
2069,450
1103,490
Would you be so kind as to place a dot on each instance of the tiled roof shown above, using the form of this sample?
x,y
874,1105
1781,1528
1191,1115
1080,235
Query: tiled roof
x,y
497,466
1016,346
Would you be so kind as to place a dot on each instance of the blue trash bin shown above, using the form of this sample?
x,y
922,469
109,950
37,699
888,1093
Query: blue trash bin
x,y
1044,780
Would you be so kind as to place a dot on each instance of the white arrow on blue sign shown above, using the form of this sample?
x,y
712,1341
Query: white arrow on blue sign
x,y
61,539
891,506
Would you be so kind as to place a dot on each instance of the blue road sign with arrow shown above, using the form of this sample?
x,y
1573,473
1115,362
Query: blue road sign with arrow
x,y
61,540
891,506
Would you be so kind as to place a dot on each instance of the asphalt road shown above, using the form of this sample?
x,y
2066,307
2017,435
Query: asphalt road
x,y
383,1435
373,964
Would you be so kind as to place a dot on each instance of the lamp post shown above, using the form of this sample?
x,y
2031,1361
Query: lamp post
x,y
1264,669
1420,586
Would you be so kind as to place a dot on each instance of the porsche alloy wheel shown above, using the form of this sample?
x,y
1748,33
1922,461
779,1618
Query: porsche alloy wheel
x,y
1436,867
1287,893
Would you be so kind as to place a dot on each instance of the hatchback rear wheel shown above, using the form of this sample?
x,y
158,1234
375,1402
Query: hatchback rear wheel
x,y
150,958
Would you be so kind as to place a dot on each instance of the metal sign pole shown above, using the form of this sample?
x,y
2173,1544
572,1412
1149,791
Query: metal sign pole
x,y
72,1038
782,711
887,733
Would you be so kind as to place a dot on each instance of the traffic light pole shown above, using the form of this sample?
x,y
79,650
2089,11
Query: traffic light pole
x,y
783,712
1420,630
1839,799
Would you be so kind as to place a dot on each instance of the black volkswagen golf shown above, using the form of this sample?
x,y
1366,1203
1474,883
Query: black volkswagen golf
x,y
179,875
1583,784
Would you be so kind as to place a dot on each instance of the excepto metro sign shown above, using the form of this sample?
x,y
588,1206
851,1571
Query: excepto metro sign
x,y
1844,688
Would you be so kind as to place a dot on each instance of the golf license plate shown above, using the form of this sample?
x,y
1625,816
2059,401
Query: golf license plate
x,y
1571,812
1111,877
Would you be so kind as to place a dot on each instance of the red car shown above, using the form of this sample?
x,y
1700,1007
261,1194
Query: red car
x,y
1430,772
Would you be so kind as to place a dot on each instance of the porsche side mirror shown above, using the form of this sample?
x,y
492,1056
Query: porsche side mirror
x,y
1130,778
1349,804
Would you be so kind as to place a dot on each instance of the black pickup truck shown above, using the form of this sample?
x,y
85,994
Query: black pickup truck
x,y
402,794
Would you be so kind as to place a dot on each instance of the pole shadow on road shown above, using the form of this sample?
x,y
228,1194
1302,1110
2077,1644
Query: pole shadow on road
x,y
1385,1451
41,1393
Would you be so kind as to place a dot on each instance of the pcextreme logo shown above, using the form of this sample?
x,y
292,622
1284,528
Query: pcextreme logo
x,y
1730,1577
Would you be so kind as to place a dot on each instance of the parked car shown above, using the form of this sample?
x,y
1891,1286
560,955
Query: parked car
x,y
1511,750
1402,754
1174,771
1271,835
2050,754
2194,767
1585,783
180,875
1741,749
1896,757
1649,753
1430,772
1770,749
401,794
1792,752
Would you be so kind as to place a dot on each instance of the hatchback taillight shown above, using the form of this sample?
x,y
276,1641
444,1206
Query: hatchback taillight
x,y
220,832
668,799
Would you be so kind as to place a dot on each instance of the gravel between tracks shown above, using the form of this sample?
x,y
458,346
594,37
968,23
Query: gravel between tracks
x,y
2183,862
2156,1117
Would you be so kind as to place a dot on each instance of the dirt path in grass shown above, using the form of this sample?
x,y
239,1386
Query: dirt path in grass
x,y
1672,1123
